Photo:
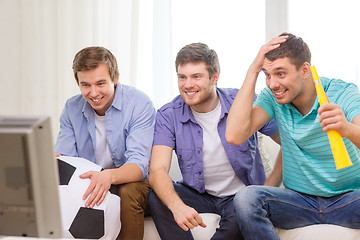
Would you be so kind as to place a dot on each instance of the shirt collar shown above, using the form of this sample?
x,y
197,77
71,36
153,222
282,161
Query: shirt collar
x,y
87,110
188,115
316,105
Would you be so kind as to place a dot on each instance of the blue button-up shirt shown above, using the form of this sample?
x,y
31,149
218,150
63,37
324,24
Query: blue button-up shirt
x,y
129,124
177,128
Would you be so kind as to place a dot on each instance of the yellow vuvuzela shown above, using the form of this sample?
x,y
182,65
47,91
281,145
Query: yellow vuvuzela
x,y
338,148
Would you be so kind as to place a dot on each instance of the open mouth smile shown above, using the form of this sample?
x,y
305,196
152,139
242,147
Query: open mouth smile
x,y
96,100
279,93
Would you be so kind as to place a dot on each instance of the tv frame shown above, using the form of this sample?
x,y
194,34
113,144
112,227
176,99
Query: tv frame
x,y
29,178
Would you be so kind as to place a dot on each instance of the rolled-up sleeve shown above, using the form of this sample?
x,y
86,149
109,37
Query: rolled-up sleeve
x,y
66,143
140,136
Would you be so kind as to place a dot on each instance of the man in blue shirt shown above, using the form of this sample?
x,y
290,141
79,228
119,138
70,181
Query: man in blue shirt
x,y
112,125
213,170
315,191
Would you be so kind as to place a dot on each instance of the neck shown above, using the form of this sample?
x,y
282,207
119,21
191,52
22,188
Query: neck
x,y
209,104
305,100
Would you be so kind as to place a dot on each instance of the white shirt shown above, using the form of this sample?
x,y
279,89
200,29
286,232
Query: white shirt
x,y
219,176
102,152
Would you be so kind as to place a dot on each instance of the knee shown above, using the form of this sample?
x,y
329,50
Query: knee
x,y
133,193
154,201
246,199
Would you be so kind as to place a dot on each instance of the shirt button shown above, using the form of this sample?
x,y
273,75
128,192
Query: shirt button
x,y
198,151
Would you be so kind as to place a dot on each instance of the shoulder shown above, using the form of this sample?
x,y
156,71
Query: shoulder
x,y
336,84
75,102
130,98
132,93
229,93
337,89
175,105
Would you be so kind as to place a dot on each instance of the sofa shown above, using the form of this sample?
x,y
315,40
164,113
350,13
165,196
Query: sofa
x,y
269,151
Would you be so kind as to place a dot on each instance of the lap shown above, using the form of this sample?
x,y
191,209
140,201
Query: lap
x,y
290,209
204,202
135,195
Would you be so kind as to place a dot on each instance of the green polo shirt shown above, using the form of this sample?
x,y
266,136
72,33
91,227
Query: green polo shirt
x,y
308,163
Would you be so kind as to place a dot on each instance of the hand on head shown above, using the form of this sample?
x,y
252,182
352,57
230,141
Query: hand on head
x,y
271,45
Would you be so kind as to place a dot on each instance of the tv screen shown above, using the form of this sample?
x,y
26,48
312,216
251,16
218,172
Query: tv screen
x,y
29,198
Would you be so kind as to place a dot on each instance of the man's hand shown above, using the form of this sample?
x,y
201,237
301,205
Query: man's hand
x,y
187,218
333,118
98,188
258,62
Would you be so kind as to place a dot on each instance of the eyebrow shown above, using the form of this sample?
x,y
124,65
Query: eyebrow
x,y
180,74
275,69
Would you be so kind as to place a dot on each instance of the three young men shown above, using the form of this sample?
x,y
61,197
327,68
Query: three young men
x,y
110,124
315,192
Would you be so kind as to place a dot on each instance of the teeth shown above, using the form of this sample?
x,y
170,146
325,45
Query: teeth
x,y
279,93
95,100
190,93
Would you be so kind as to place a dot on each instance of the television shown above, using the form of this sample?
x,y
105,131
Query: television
x,y
29,178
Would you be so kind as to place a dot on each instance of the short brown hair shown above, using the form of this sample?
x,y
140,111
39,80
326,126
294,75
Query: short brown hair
x,y
196,53
91,57
293,48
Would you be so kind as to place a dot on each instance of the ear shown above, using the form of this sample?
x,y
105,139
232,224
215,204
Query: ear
x,y
215,78
305,70
117,79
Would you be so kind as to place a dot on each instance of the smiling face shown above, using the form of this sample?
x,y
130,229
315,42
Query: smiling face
x,y
196,87
97,88
284,80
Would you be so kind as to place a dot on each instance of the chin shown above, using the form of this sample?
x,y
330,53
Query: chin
x,y
281,101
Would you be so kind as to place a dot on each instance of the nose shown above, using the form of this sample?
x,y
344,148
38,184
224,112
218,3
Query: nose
x,y
273,83
189,83
93,91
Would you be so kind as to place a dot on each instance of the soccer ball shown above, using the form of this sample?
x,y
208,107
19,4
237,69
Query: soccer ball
x,y
99,222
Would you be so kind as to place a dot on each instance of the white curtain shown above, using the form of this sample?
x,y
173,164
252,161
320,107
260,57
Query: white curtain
x,y
39,39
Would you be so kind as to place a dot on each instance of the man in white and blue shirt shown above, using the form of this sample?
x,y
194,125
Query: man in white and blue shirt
x,y
112,125
315,191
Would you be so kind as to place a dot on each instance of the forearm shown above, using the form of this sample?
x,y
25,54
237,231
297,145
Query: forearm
x,y
238,126
354,133
162,184
275,177
126,173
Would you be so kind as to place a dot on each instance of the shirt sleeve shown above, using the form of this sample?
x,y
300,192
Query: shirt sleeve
x,y
164,129
140,137
265,101
349,101
66,142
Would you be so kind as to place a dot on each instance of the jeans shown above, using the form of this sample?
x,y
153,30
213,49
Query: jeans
x,y
202,203
134,206
260,208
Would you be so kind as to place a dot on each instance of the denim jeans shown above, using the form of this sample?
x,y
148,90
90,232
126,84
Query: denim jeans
x,y
202,203
260,208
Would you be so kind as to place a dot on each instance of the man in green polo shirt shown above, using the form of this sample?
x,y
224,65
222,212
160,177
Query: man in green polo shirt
x,y
315,192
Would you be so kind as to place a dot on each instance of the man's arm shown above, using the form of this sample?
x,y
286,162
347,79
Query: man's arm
x,y
242,110
138,150
332,117
101,181
65,142
275,177
185,216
